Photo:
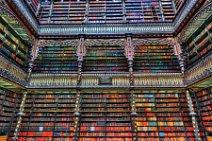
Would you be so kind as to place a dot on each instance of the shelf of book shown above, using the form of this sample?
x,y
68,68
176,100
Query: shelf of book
x,y
12,46
162,116
105,59
105,114
48,116
56,59
155,58
104,11
203,106
200,45
9,102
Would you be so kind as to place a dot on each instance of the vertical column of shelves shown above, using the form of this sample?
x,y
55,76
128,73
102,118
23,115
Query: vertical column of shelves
x,y
59,13
8,103
200,45
146,119
105,116
105,58
12,47
118,118
168,9
205,105
170,119
93,120
42,121
186,117
43,15
134,11
158,58
77,11
97,11
65,120
56,59
114,11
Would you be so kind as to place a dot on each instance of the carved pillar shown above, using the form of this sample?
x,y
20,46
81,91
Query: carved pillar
x,y
20,114
129,52
34,54
193,116
81,52
178,52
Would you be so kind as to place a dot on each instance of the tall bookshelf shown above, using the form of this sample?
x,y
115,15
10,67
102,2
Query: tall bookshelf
x,y
105,114
203,105
105,59
11,45
200,44
8,111
48,116
162,116
56,59
155,58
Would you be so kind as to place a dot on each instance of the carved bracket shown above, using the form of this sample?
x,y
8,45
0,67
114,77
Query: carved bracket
x,y
81,49
129,49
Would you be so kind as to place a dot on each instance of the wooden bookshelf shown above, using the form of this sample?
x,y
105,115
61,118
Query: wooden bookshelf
x,y
203,106
9,102
162,116
49,116
155,58
55,59
105,114
200,44
12,46
105,58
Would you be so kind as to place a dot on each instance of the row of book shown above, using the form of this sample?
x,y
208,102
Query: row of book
x,y
204,108
12,46
9,103
155,59
200,45
97,60
55,58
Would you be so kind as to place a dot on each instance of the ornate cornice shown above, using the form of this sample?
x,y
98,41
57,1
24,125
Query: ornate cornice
x,y
93,42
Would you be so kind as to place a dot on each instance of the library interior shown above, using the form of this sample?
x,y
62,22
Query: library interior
x,y
105,70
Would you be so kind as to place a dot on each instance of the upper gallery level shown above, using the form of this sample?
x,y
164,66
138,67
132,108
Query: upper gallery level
x,y
73,17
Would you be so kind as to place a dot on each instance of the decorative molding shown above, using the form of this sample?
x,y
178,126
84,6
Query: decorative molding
x,y
199,70
152,41
12,70
93,42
